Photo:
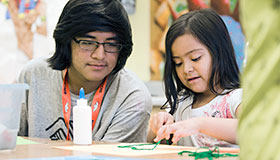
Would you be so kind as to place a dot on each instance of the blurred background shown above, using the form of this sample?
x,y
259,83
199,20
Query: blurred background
x,y
26,28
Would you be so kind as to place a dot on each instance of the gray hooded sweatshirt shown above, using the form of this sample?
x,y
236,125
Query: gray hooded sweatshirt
x,y
123,116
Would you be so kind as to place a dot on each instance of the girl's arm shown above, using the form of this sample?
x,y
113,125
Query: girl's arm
x,y
220,128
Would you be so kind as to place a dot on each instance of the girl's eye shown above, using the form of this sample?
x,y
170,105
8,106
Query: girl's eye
x,y
196,59
178,64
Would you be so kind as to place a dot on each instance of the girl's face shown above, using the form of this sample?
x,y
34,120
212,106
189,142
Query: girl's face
x,y
193,63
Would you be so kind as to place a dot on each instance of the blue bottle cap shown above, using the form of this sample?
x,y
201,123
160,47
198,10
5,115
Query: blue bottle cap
x,y
82,93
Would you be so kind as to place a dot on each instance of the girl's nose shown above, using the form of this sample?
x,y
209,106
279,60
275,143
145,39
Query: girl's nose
x,y
188,68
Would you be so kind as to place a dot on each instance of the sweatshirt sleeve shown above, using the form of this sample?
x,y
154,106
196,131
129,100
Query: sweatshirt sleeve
x,y
130,123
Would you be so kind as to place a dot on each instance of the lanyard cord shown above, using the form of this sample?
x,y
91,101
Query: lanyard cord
x,y
66,101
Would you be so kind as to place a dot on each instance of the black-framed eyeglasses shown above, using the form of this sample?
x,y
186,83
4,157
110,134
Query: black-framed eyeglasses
x,y
93,45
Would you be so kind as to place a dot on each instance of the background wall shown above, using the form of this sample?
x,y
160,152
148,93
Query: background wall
x,y
163,14
12,60
140,59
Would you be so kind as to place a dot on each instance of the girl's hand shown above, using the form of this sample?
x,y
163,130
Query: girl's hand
x,y
179,129
220,128
160,119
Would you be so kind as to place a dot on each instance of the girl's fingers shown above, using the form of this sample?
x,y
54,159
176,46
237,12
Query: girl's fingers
x,y
169,120
161,133
160,119
183,132
156,122
177,135
164,132
162,125
169,130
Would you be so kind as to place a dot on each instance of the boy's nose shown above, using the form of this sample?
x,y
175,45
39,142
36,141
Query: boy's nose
x,y
99,52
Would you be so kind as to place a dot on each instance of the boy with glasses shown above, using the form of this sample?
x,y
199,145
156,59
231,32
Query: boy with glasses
x,y
93,41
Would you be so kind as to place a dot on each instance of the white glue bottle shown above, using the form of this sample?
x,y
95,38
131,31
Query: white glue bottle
x,y
82,121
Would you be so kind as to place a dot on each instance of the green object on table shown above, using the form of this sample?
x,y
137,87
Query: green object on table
x,y
21,141
137,146
208,154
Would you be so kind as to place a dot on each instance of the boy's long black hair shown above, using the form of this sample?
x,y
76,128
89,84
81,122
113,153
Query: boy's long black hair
x,y
82,16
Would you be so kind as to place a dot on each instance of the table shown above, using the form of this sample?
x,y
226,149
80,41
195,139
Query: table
x,y
45,148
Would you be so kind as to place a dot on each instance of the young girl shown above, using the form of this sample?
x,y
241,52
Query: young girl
x,y
201,80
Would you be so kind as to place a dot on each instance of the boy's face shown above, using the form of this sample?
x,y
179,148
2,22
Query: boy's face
x,y
93,65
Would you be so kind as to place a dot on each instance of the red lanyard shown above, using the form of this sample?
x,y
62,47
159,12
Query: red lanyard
x,y
66,102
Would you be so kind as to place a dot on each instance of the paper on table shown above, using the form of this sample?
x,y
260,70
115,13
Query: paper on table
x,y
21,141
113,149
84,158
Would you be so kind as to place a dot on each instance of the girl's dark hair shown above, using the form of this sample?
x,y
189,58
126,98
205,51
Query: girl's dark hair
x,y
207,27
82,16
